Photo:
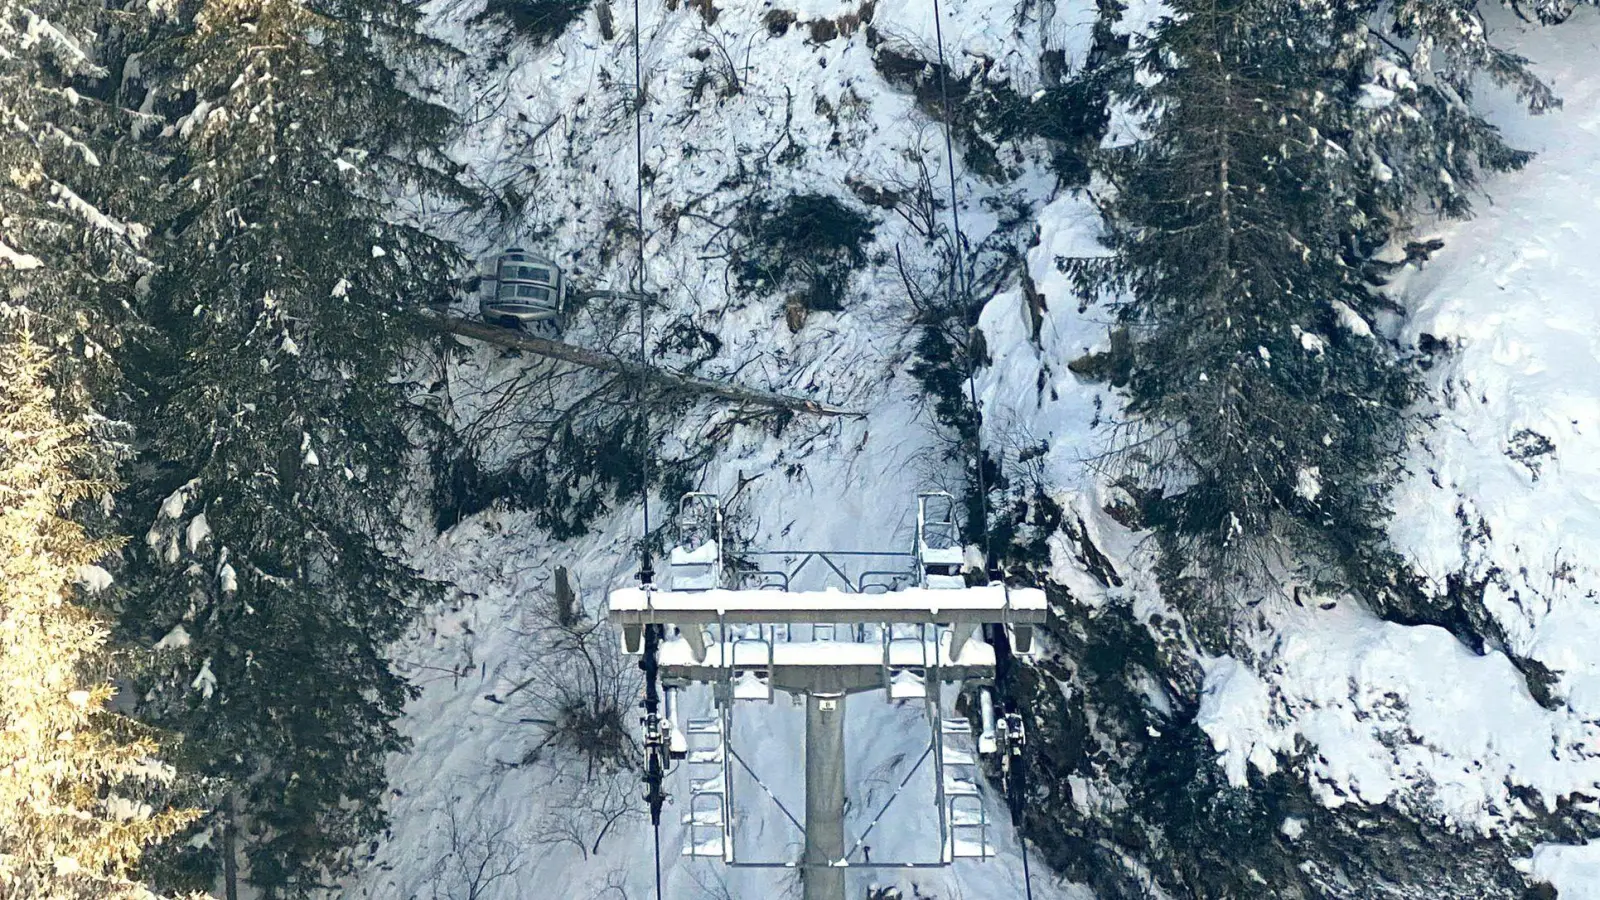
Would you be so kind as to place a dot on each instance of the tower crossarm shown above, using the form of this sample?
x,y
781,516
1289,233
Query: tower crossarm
x,y
984,605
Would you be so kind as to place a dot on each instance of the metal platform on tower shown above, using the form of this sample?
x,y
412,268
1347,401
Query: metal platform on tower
x,y
908,629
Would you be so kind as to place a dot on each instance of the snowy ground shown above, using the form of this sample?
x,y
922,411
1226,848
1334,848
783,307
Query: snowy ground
x,y
1507,484
1507,488
1386,713
1504,488
470,804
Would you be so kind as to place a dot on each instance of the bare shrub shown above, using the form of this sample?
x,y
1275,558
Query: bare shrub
x,y
580,692
578,686
483,853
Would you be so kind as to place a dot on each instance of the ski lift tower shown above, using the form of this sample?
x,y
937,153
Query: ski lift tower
x,y
908,630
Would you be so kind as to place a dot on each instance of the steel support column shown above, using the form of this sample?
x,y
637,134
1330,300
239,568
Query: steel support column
x,y
824,797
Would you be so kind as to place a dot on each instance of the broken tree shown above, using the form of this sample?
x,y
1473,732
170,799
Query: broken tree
x,y
503,337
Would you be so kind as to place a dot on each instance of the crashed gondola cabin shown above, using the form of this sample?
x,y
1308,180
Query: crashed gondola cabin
x,y
517,289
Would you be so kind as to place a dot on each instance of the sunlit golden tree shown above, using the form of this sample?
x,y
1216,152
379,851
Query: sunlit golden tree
x,y
75,778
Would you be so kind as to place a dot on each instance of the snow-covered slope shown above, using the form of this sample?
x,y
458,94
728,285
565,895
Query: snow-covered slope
x,y
1506,485
1503,487
1505,490
1503,494
736,110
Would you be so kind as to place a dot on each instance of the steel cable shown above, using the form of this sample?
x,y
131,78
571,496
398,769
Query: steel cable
x,y
959,286
653,774
638,179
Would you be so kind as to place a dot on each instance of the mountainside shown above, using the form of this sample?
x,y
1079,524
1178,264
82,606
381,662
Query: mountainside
x,y
1333,753
1254,336
744,109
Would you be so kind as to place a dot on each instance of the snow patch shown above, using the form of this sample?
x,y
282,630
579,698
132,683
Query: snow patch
x,y
1236,713
123,809
1350,320
1308,483
176,639
1574,871
1375,96
172,507
1400,715
94,578
199,529
91,213
18,260
205,682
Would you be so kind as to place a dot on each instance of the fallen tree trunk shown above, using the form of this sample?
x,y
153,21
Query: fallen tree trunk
x,y
505,337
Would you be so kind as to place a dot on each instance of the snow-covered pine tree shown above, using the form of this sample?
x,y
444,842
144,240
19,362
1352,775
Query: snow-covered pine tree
x,y
66,251
1265,408
1411,68
76,814
277,425
74,777
1284,142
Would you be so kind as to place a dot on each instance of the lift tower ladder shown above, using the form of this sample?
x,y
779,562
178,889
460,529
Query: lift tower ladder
x,y
707,830
967,831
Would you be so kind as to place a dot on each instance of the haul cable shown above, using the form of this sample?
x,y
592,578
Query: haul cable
x,y
1015,765
655,737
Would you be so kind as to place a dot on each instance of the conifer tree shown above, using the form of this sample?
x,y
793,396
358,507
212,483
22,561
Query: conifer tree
x,y
1410,69
67,251
74,777
1284,142
1265,409
277,422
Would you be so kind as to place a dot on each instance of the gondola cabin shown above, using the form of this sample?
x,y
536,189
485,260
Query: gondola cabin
x,y
518,288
